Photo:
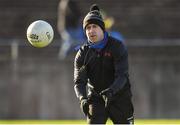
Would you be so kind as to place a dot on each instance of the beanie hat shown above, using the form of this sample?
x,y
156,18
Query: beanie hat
x,y
94,17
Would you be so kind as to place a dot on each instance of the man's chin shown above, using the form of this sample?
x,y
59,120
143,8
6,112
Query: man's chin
x,y
93,40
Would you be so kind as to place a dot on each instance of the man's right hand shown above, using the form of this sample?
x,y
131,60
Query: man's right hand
x,y
85,106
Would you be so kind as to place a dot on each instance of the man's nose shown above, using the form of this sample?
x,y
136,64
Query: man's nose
x,y
91,29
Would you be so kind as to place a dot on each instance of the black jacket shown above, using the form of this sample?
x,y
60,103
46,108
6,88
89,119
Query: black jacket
x,y
103,69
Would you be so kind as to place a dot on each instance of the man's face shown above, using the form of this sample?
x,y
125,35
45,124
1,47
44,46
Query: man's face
x,y
94,33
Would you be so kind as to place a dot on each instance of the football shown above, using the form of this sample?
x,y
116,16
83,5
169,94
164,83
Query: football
x,y
40,33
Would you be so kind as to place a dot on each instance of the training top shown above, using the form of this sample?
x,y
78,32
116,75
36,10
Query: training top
x,y
101,69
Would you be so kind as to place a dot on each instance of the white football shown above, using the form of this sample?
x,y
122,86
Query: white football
x,y
40,33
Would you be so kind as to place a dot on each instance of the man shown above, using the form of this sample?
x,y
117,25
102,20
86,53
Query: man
x,y
101,65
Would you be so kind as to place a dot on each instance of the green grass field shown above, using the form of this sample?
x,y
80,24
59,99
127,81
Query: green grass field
x,y
138,121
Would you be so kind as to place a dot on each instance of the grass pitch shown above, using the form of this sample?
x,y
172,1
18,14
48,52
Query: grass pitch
x,y
137,121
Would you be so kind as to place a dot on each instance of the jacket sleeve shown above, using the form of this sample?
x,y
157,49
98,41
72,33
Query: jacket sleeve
x,y
120,56
80,75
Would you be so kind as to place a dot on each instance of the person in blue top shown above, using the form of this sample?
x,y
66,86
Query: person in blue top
x,y
109,22
101,78
69,28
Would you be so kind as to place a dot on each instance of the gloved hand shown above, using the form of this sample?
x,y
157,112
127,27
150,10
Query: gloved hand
x,y
85,106
107,96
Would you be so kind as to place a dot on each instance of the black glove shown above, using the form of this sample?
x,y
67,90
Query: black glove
x,y
107,96
85,106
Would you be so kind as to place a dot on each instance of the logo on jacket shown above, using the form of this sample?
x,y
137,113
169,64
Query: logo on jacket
x,y
107,54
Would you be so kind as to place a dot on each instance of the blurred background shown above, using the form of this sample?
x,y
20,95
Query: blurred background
x,y
37,83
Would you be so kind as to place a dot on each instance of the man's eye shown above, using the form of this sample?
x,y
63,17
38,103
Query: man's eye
x,y
88,28
94,26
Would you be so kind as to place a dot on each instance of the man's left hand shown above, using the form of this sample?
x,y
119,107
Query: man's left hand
x,y
107,96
